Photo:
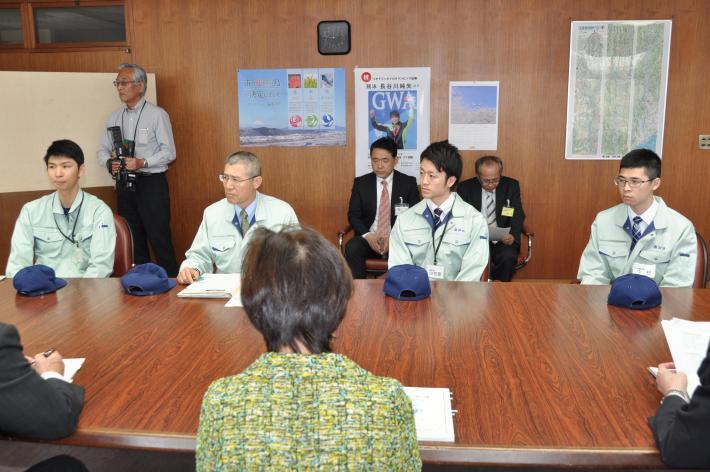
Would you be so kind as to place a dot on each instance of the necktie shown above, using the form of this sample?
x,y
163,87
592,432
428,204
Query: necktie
x,y
244,222
383,212
636,231
437,217
490,209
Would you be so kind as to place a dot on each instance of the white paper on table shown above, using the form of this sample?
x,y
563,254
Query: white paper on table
x,y
2,277
71,367
433,416
236,299
496,234
688,343
213,286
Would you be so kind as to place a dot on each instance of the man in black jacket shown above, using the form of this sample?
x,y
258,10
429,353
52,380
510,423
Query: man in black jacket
x,y
377,199
498,200
35,400
681,426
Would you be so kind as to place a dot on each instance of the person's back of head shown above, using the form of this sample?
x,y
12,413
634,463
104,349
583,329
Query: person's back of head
x,y
295,288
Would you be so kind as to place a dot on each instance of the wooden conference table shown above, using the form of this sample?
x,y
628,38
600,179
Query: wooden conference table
x,y
544,375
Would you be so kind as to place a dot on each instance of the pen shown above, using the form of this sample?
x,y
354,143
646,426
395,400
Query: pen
x,y
49,352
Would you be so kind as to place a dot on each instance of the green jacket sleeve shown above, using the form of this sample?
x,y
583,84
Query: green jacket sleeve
x,y
103,243
592,267
21,245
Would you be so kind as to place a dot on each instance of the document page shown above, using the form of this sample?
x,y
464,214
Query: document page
x,y
213,286
496,234
433,415
71,367
688,343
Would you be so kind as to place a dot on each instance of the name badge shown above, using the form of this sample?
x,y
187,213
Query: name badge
x,y
508,211
400,208
649,270
435,272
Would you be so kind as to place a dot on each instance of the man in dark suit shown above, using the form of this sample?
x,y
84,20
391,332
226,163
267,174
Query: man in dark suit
x,y
35,400
681,426
377,199
498,200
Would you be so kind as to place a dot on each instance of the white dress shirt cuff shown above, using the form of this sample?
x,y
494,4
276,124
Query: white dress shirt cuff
x,y
52,375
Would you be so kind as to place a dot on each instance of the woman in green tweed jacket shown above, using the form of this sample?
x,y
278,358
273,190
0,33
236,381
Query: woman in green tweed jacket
x,y
300,406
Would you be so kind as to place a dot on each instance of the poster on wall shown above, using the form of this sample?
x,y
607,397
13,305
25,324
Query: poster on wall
x,y
473,115
616,96
392,102
291,107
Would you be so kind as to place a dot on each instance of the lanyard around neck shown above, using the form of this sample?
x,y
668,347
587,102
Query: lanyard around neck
x,y
71,238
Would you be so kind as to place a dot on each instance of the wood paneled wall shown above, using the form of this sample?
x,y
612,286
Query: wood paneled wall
x,y
195,48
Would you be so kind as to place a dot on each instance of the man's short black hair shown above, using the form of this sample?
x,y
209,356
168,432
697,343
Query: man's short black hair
x,y
446,158
385,143
65,148
645,158
394,113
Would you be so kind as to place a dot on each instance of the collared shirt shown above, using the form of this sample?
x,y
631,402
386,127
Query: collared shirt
x,y
151,132
219,243
389,179
445,207
646,217
38,238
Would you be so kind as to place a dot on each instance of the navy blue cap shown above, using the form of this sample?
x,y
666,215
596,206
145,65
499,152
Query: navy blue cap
x,y
146,279
37,280
634,291
407,282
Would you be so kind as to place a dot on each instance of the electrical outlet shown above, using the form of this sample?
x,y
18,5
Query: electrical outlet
x,y
704,141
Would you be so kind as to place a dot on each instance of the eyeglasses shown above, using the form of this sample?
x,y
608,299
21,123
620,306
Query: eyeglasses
x,y
224,178
490,181
633,183
123,83
383,160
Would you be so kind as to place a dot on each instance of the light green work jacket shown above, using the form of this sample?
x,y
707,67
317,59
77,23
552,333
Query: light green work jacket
x,y
43,235
464,248
219,243
668,249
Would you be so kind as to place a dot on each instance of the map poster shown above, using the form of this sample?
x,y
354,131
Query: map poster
x,y
616,98
473,115
392,102
291,107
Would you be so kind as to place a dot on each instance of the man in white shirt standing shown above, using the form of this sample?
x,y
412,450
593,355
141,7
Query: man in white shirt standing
x,y
442,233
227,225
641,235
145,204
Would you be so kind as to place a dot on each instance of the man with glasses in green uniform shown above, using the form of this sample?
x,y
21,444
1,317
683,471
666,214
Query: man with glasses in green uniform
x,y
227,224
641,235
68,230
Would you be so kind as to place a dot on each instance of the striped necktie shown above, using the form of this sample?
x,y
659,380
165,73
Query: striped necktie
x,y
437,217
636,231
383,212
244,222
490,209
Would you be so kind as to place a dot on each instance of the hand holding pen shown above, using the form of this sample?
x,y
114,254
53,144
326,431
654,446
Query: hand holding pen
x,y
47,361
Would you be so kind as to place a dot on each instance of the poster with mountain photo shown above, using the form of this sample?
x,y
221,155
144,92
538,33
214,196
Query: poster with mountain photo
x,y
291,107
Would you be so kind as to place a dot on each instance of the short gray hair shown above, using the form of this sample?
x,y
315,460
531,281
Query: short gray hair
x,y
245,157
139,75
488,160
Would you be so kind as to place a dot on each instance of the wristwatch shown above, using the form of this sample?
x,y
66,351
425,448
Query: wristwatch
x,y
145,163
